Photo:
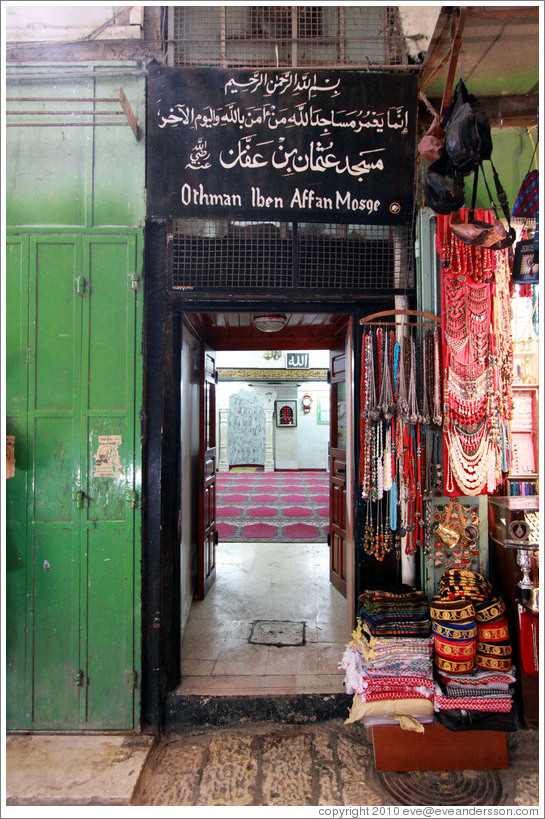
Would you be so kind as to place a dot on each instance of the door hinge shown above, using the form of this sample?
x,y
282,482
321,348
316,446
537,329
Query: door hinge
x,y
132,679
77,677
135,281
132,498
81,285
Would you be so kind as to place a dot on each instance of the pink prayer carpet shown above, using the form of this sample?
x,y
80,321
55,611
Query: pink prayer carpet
x,y
272,506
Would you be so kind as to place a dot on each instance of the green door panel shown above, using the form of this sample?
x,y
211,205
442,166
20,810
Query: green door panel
x,y
109,647
16,325
57,323
73,376
54,469
54,400
111,322
109,371
55,632
16,561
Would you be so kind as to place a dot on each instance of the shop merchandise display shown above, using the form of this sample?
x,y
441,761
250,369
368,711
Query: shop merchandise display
x,y
477,363
437,402
409,660
400,467
391,614
472,651
391,678
454,541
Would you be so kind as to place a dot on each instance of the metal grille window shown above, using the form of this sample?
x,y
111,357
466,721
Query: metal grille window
x,y
210,255
285,36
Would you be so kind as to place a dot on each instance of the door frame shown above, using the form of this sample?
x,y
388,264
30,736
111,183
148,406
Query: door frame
x,y
164,310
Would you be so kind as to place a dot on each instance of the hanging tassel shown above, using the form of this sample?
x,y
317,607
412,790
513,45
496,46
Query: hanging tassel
x,y
393,507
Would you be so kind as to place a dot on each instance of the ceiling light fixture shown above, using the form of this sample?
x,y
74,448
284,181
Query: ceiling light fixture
x,y
270,323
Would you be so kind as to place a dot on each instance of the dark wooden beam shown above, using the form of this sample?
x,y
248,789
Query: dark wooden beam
x,y
437,52
522,15
517,111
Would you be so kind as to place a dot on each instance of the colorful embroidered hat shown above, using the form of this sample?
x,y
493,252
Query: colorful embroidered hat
x,y
454,666
489,610
458,650
494,631
455,631
456,611
489,663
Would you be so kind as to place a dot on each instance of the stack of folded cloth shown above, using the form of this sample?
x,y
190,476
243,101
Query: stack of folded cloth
x,y
472,650
479,691
391,678
395,614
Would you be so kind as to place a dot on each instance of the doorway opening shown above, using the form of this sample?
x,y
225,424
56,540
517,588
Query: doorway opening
x,y
275,617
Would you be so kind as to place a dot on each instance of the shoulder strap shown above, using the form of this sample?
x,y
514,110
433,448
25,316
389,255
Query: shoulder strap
x,y
533,156
474,194
502,196
490,197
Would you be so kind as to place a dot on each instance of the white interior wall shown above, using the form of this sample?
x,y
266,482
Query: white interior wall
x,y
302,447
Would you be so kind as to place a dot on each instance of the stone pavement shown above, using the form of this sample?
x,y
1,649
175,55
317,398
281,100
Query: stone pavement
x,y
73,769
322,764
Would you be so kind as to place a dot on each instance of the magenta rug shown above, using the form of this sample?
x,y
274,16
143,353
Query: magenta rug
x,y
272,506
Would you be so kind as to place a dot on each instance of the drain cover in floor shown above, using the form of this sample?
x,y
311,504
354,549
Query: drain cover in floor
x,y
277,633
442,787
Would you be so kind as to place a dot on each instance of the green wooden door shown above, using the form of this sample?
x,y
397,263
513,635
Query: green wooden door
x,y
17,561
82,480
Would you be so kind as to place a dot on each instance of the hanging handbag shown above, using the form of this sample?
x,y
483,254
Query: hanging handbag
x,y
474,232
525,263
527,201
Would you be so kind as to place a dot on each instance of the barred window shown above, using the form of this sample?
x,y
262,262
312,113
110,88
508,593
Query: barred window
x,y
209,255
285,36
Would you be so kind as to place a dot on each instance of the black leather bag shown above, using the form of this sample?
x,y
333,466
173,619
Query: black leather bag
x,y
442,193
468,138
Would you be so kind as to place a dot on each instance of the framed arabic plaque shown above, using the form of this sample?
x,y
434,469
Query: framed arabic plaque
x,y
309,145
286,413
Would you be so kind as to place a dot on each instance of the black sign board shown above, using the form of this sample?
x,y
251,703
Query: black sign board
x,y
308,145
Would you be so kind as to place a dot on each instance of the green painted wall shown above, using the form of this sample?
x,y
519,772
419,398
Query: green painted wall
x,y
511,154
61,173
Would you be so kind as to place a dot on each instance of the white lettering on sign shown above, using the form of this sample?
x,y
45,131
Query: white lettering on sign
x,y
198,196
297,361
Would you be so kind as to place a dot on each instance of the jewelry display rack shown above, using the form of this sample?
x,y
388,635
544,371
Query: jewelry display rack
x,y
373,318
464,550
401,410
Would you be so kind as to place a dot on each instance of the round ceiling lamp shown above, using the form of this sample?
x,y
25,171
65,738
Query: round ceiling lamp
x,y
270,323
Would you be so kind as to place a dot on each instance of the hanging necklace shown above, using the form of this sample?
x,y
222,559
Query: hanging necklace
x,y
437,413
425,418
413,414
402,403
372,408
386,399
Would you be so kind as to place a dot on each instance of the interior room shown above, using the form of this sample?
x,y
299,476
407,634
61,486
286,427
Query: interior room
x,y
272,622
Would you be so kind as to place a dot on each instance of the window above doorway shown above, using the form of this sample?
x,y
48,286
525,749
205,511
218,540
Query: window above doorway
x,y
285,36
